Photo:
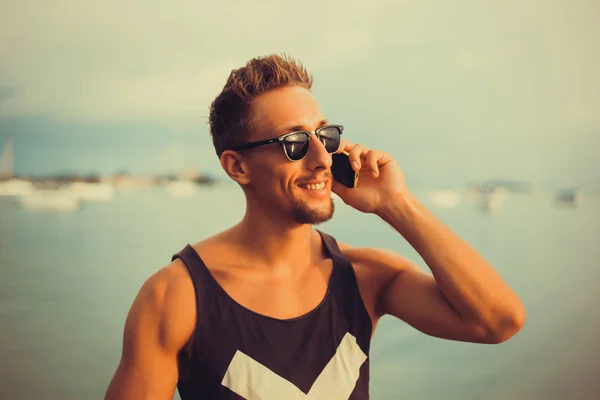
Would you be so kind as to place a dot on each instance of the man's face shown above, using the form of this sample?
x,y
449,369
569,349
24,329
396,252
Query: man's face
x,y
300,188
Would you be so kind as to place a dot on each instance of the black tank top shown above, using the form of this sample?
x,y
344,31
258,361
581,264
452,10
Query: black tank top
x,y
240,354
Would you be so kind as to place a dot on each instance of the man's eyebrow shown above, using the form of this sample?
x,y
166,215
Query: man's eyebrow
x,y
302,127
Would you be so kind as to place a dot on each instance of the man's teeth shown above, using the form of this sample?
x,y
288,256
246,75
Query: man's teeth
x,y
316,186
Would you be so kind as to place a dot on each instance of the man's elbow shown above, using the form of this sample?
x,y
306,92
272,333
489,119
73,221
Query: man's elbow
x,y
507,327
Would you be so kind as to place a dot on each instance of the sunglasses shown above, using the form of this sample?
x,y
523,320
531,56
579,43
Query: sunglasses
x,y
295,144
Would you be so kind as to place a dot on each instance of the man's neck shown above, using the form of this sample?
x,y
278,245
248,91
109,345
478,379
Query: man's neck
x,y
274,243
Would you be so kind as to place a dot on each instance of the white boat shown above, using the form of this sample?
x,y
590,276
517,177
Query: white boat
x,y
57,200
490,198
444,198
16,187
181,189
89,191
494,201
573,197
129,184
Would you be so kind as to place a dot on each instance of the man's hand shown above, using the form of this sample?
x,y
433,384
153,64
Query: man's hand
x,y
380,179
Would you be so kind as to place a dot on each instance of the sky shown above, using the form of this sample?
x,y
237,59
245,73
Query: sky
x,y
455,90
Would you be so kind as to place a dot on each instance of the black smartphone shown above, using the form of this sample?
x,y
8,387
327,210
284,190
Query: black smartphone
x,y
342,170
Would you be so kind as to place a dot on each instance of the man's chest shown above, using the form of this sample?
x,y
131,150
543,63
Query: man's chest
x,y
280,297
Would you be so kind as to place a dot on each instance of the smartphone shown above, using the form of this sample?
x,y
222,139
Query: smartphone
x,y
342,170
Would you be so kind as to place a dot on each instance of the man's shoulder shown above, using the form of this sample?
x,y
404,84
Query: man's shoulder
x,y
375,269
376,265
169,279
164,309
168,298
173,281
373,256
169,287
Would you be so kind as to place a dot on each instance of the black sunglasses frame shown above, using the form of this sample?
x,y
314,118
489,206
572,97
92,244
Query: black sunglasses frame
x,y
281,139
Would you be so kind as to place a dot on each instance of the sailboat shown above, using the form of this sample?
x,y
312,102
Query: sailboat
x,y
569,197
93,191
489,197
10,186
55,200
444,198
29,197
181,185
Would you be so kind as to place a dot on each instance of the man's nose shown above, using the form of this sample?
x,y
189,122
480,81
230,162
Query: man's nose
x,y
318,156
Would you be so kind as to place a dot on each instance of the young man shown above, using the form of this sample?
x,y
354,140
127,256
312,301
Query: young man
x,y
274,309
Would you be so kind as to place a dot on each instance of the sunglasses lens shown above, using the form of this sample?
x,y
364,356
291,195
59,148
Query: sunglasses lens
x,y
330,137
296,145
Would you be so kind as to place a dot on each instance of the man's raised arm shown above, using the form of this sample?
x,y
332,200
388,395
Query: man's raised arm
x,y
465,299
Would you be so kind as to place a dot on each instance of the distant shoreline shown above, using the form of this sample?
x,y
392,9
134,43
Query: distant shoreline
x,y
117,179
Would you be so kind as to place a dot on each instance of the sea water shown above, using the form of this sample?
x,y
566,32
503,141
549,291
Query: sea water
x,y
67,281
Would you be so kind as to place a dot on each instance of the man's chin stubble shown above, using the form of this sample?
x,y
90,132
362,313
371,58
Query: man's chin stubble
x,y
306,215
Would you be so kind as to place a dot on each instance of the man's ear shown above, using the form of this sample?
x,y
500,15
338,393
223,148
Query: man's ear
x,y
235,166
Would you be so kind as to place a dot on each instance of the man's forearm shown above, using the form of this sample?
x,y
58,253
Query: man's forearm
x,y
468,282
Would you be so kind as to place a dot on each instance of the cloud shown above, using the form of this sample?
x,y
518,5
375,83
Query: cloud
x,y
72,59
498,70
479,84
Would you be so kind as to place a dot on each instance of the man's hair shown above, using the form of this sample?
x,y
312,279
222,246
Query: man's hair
x,y
230,120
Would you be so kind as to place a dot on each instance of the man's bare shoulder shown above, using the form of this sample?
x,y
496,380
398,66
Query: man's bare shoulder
x,y
171,283
159,325
375,269
376,260
168,298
